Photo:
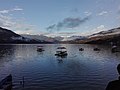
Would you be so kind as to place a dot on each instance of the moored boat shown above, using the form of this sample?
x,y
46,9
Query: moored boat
x,y
61,51
114,49
96,49
81,49
6,83
40,48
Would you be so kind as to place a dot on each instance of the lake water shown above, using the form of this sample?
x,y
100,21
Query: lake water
x,y
80,70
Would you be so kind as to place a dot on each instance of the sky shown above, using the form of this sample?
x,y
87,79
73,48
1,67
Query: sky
x,y
59,17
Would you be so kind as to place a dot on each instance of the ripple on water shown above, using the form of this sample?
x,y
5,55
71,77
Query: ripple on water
x,y
87,70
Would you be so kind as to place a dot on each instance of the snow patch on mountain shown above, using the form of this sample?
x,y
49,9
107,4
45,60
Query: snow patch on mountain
x,y
114,31
73,38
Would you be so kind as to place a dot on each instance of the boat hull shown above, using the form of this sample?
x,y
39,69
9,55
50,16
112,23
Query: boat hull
x,y
6,83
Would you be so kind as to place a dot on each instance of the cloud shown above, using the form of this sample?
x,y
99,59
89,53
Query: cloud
x,y
96,30
88,13
10,10
101,27
4,11
102,13
62,34
6,21
30,31
68,23
18,25
17,9
24,28
51,27
67,33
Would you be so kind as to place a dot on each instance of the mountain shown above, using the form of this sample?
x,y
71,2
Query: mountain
x,y
43,38
111,36
74,38
8,36
105,37
54,39
114,31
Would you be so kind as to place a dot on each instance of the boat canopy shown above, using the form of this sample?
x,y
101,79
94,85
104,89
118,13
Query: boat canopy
x,y
61,48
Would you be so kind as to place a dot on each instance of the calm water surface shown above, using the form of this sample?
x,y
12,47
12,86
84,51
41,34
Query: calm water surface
x,y
80,70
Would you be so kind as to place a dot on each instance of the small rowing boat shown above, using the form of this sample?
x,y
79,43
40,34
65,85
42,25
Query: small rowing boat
x,y
6,83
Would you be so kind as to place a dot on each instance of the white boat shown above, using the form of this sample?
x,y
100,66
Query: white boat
x,y
61,51
114,49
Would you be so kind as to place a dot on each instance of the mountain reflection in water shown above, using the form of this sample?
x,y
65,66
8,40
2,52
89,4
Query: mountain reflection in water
x,y
79,70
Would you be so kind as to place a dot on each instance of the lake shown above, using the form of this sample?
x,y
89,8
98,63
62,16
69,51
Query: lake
x,y
80,70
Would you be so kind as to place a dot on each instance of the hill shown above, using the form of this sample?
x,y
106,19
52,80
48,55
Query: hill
x,y
8,36
105,37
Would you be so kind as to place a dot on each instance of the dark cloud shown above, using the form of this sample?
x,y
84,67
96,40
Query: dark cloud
x,y
68,23
51,27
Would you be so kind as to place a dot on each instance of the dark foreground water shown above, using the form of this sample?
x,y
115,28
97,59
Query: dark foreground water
x,y
80,70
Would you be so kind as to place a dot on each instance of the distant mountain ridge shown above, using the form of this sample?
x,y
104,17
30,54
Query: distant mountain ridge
x,y
71,38
42,38
53,39
5,33
103,37
8,36
108,32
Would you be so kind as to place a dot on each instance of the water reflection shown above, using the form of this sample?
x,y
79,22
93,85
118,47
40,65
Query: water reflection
x,y
61,59
83,70
40,53
6,52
